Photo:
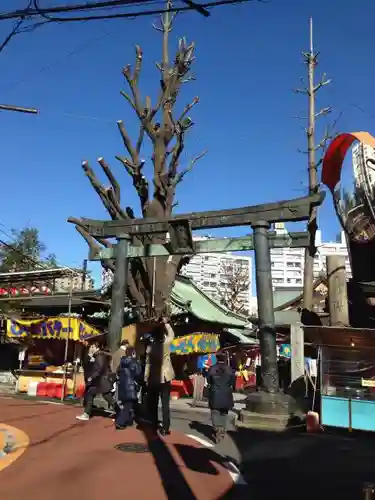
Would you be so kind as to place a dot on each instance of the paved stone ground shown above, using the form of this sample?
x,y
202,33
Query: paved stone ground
x,y
71,459
281,465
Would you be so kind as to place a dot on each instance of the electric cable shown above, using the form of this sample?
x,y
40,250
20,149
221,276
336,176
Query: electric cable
x,y
80,48
208,5
50,14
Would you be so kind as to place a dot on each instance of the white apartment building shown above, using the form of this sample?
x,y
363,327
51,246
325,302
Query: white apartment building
x,y
288,263
106,279
63,284
364,174
212,273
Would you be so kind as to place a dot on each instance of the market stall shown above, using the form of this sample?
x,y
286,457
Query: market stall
x,y
347,376
348,388
195,343
186,352
51,368
242,360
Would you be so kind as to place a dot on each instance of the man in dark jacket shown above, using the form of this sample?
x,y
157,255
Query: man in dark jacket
x,y
129,377
98,380
221,381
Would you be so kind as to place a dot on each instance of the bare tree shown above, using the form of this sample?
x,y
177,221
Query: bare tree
x,y
166,129
311,60
235,281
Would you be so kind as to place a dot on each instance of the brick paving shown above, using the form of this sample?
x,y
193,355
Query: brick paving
x,y
68,459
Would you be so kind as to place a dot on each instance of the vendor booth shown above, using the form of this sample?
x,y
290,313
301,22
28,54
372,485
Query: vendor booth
x,y
50,348
186,351
347,376
197,343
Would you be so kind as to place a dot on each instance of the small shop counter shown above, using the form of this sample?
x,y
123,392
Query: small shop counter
x,y
348,388
36,381
50,344
351,410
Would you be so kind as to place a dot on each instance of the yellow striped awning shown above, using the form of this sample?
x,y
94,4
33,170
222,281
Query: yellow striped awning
x,y
52,328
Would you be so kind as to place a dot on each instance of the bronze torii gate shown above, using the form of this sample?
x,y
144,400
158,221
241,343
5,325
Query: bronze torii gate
x,y
180,228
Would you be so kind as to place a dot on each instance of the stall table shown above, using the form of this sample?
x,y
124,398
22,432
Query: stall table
x,y
30,381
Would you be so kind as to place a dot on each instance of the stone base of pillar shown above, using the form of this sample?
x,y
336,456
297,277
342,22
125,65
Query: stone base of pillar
x,y
266,411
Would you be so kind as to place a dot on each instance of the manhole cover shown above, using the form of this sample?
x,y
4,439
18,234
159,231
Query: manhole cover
x,y
132,448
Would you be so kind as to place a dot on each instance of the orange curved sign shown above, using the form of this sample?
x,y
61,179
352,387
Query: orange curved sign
x,y
335,156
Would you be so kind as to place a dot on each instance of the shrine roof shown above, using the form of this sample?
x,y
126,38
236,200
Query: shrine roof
x,y
187,297
58,300
18,277
243,336
296,301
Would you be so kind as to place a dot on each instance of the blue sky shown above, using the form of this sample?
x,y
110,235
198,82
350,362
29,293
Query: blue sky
x,y
248,61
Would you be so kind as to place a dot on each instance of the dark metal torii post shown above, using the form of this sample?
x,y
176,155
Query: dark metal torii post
x,y
119,289
266,315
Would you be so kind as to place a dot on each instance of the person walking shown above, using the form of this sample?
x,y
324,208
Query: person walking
x,y
117,355
97,381
142,407
221,381
128,375
158,375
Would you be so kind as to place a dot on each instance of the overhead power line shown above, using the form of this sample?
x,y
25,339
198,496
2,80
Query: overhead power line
x,y
63,13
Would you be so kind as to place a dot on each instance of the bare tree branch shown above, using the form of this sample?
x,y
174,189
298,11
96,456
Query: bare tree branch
x,y
100,190
182,174
91,240
115,185
329,134
322,83
302,151
188,108
324,112
234,282
321,146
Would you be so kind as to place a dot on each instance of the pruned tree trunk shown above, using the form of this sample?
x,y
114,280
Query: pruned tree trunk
x,y
311,60
160,124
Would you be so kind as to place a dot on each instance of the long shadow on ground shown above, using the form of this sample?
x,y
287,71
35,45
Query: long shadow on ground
x,y
296,465
197,459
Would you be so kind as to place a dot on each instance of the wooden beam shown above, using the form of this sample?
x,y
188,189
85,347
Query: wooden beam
x,y
219,245
282,211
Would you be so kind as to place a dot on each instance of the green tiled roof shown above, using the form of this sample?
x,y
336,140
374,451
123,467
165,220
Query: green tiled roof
x,y
242,338
186,297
